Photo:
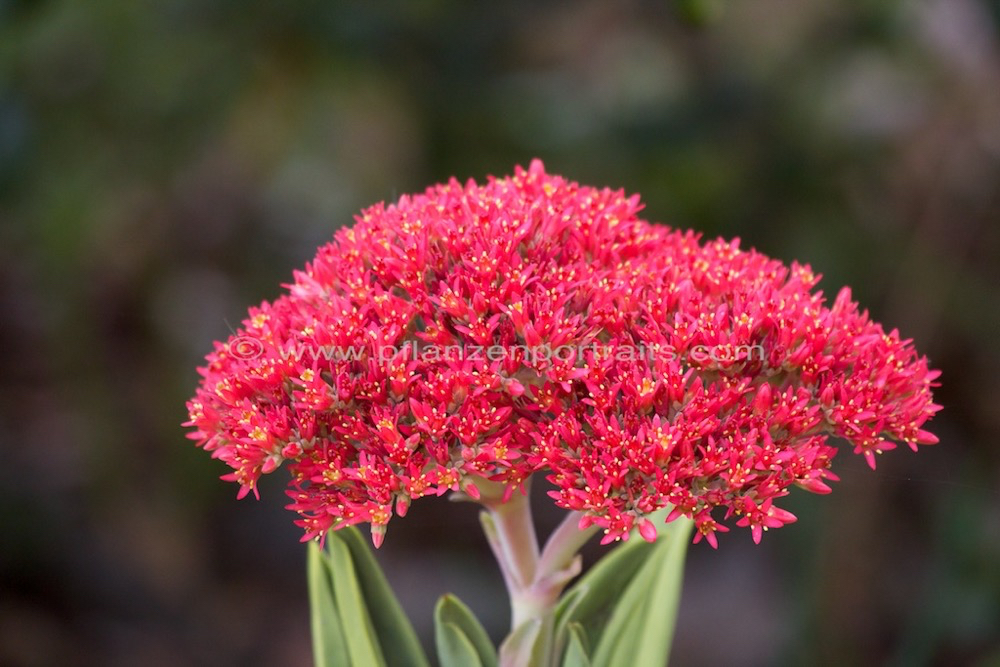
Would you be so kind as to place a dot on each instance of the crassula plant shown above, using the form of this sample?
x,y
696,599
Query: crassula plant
x,y
474,337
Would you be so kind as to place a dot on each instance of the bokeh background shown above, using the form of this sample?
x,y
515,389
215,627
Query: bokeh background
x,y
165,164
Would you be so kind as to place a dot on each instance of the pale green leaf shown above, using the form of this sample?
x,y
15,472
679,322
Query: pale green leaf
x,y
452,610
329,649
393,629
641,626
454,648
359,633
521,645
576,647
590,601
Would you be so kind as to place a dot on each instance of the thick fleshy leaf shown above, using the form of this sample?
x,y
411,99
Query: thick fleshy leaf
x,y
590,601
576,647
522,645
564,614
657,628
359,633
393,629
329,649
641,626
454,648
569,602
452,610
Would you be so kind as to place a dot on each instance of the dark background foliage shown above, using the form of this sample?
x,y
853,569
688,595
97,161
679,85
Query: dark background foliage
x,y
165,164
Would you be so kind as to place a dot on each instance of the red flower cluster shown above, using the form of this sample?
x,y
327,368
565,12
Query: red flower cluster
x,y
486,332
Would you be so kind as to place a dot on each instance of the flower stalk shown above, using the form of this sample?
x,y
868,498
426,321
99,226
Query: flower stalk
x,y
534,578
516,537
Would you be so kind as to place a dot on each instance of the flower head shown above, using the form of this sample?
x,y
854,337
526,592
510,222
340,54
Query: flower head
x,y
487,332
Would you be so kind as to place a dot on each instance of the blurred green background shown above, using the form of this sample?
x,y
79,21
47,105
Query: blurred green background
x,y
165,164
